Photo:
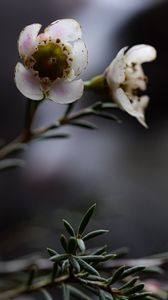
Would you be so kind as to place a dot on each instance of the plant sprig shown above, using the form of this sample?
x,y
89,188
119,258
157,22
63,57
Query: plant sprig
x,y
77,271
77,119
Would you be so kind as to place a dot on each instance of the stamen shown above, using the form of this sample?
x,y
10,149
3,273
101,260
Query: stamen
x,y
51,60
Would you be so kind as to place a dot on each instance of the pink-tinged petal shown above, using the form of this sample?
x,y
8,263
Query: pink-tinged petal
x,y
65,30
27,39
42,38
140,54
27,84
116,70
64,91
80,57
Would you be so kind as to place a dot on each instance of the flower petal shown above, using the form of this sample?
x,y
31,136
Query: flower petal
x,y
141,106
65,30
42,38
132,109
27,84
27,39
80,57
140,54
65,91
116,70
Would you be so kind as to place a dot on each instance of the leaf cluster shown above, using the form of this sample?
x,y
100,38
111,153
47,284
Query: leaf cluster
x,y
79,272
82,268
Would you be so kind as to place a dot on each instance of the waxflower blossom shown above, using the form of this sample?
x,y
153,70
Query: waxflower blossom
x,y
125,77
52,60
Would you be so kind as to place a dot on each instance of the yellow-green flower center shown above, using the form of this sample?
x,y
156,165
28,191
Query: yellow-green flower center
x,y
52,61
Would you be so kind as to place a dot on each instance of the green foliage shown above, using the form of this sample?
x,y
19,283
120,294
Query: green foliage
x,y
82,267
11,163
80,272
46,294
85,220
53,134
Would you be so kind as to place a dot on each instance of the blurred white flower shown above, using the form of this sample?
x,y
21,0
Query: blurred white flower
x,y
125,77
52,60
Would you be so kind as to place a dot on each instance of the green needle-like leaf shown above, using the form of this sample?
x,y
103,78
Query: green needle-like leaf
x,y
81,245
106,115
86,266
83,124
144,295
149,297
64,242
46,294
69,227
102,295
129,284
117,275
96,278
93,234
55,270
53,134
134,289
78,293
75,264
104,105
18,147
108,105
97,258
108,295
92,258
58,257
65,266
11,163
72,244
109,256
97,105
66,292
132,271
51,252
86,220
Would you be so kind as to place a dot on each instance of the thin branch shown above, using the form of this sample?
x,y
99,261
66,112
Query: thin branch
x,y
24,289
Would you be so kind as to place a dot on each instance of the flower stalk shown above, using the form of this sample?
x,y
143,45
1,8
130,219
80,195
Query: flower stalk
x,y
98,109
26,135
97,84
30,113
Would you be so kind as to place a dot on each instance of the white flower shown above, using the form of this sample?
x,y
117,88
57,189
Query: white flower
x,y
125,77
52,60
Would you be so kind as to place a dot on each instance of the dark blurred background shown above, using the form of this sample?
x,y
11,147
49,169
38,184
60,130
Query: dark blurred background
x,y
123,168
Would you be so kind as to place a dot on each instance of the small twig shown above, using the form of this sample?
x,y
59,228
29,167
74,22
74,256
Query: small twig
x,y
26,135
11,147
11,294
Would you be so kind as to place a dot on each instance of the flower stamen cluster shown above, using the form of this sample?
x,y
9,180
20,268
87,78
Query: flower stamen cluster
x,y
52,61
